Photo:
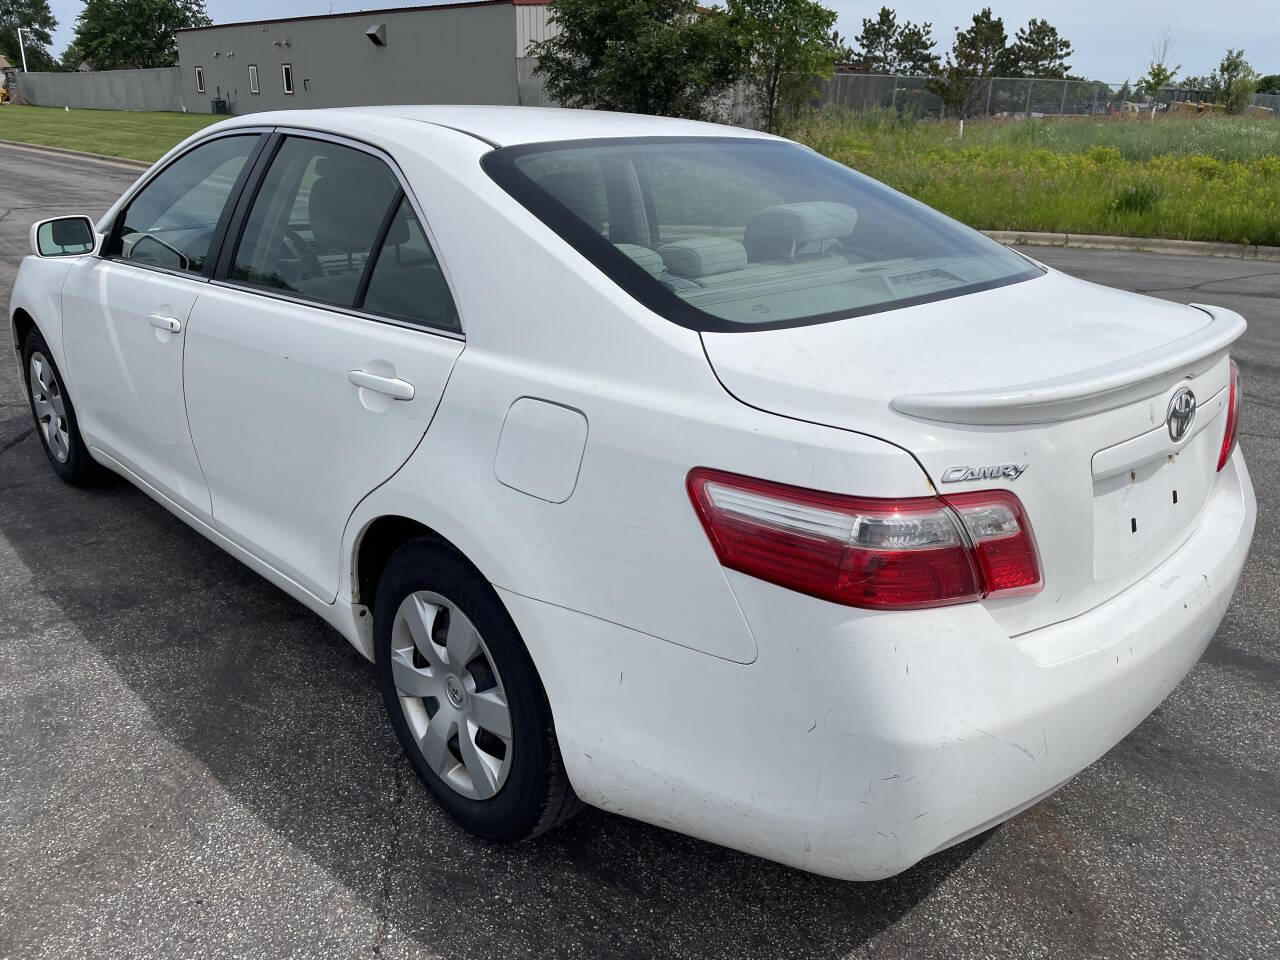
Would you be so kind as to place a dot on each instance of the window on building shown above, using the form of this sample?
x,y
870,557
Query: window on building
x,y
286,74
253,78
199,79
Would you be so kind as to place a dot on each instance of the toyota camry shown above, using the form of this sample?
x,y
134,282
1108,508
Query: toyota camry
x,y
661,466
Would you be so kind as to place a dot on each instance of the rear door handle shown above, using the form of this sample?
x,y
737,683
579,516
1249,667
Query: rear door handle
x,y
392,386
172,324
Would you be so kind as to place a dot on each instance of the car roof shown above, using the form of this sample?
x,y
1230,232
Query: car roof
x,y
505,126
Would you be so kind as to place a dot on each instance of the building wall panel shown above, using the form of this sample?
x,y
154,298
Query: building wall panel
x,y
448,55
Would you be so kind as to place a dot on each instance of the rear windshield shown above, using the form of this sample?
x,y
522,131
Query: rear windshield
x,y
741,234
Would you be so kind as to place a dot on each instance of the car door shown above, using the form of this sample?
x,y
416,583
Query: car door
x,y
316,358
125,313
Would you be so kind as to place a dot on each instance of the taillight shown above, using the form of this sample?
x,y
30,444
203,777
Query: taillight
x,y
864,552
1233,417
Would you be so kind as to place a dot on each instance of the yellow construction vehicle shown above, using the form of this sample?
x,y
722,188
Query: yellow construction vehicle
x,y
9,82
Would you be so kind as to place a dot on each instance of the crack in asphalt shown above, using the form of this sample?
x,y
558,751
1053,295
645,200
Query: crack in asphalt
x,y
10,444
382,909
1204,283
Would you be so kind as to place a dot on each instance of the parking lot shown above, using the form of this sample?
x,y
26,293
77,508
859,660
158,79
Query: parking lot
x,y
192,765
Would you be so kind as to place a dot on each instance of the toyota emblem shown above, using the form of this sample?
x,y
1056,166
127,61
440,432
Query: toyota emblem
x,y
1182,410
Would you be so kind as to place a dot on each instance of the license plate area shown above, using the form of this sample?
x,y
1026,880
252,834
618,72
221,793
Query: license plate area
x,y
1143,513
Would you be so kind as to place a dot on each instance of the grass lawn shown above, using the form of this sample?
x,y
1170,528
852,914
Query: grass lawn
x,y
117,133
1186,178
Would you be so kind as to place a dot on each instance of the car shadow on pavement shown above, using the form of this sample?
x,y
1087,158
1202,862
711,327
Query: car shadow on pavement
x,y
286,717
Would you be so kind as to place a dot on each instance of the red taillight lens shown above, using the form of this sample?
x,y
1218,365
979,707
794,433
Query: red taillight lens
x,y
1233,417
864,552
1002,540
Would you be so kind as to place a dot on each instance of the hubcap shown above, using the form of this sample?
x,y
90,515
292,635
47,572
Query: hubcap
x,y
451,695
50,409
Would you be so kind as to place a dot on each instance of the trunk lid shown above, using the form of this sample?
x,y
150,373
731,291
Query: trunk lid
x,y
1070,379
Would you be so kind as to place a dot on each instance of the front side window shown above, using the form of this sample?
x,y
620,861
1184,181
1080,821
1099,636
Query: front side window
x,y
286,76
170,223
406,282
253,78
737,234
199,79
315,221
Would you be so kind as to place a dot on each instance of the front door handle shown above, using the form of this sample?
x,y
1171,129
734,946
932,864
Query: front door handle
x,y
172,324
392,386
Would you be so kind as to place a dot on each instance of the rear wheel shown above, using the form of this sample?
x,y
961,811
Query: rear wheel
x,y
55,417
464,698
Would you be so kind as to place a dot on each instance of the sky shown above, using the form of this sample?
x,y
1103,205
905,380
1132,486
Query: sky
x,y
1112,40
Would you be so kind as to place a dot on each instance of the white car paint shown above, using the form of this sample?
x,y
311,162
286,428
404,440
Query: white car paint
x,y
845,741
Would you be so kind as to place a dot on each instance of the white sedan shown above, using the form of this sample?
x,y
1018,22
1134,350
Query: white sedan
x,y
662,466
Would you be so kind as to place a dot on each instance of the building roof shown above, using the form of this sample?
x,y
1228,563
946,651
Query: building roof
x,y
378,11
501,126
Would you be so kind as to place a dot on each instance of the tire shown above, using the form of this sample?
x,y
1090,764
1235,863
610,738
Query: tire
x,y
55,416
505,790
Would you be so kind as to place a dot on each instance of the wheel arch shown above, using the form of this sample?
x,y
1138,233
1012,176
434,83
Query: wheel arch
x,y
378,540
21,324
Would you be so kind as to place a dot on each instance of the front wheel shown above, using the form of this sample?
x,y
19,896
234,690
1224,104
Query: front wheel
x,y
464,698
55,417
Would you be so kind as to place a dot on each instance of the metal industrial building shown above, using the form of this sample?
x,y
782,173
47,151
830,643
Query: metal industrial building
x,y
450,53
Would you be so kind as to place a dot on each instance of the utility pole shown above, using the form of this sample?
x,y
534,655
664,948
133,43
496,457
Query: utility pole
x,y
23,47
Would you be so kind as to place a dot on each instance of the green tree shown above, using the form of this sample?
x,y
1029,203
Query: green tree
x,y
638,56
914,49
71,57
876,42
840,48
892,47
1159,74
1037,51
1234,83
786,51
970,63
116,34
37,22
1269,83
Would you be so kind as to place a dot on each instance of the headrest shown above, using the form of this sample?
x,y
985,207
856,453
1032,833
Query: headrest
x,y
646,259
777,233
346,205
584,204
703,256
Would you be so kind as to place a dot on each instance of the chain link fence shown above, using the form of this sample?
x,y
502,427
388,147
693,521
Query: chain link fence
x,y
1015,97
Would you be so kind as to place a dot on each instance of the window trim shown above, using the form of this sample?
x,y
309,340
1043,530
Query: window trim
x,y
230,241
633,280
286,78
254,86
216,242
199,79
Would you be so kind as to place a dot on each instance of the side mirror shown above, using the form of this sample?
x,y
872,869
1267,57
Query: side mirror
x,y
64,237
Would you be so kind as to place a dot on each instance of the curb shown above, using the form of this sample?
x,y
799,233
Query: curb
x,y
79,154
1080,241
1086,241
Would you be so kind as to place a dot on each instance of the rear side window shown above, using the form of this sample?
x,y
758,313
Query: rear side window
x,y
315,221
171,221
406,282
739,234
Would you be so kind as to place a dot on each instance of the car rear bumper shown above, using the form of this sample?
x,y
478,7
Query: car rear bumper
x,y
859,742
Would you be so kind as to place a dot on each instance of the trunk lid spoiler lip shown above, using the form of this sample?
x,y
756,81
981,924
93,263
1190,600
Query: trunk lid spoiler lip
x,y
1086,392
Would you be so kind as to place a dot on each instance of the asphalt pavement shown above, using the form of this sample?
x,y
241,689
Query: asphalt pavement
x,y
192,765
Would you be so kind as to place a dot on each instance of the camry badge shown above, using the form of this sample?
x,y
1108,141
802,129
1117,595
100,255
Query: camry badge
x,y
994,471
1182,411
